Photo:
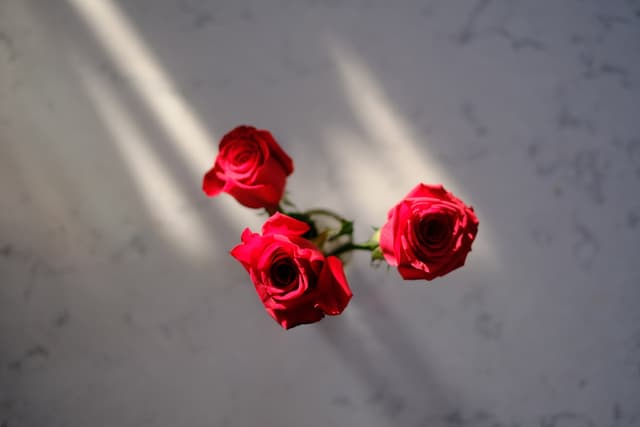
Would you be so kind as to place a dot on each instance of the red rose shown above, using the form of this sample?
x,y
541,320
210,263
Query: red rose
x,y
251,167
294,280
429,233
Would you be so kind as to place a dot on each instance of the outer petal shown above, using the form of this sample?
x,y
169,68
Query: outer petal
x,y
271,172
425,190
457,261
282,224
253,196
333,290
471,214
239,132
212,184
410,273
296,316
277,152
246,252
387,238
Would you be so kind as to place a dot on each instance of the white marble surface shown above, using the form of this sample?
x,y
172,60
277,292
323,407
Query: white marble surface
x,y
119,305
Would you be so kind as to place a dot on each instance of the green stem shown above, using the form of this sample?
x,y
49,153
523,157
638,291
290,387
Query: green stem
x,y
325,212
350,247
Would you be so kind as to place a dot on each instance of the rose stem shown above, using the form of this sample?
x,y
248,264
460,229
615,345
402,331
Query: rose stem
x,y
350,247
325,212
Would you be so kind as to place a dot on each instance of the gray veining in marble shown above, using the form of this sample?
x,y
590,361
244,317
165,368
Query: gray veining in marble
x,y
120,306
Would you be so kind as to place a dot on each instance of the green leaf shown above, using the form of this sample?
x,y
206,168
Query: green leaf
x,y
376,254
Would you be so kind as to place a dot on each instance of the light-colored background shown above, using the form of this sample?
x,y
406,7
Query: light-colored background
x,y
119,305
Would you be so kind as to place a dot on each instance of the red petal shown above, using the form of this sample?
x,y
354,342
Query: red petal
x,y
212,185
410,273
387,241
431,191
282,224
277,152
293,317
253,196
245,252
333,289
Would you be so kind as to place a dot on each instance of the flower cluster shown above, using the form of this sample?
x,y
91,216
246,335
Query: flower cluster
x,y
296,262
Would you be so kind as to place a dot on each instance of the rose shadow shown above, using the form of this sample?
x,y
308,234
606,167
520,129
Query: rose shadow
x,y
413,387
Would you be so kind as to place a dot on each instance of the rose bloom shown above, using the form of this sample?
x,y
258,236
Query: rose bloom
x,y
429,233
292,277
251,167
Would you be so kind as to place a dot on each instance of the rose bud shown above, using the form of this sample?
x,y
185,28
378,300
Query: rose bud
x,y
251,167
429,233
295,281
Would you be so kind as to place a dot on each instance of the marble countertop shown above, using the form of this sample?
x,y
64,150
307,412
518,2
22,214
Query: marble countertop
x,y
119,303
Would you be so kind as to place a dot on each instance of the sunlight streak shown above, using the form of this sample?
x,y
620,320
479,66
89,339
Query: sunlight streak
x,y
401,163
128,50
132,56
164,199
384,127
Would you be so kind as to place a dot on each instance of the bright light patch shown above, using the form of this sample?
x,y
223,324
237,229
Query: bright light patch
x,y
129,52
401,163
385,129
164,199
157,92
